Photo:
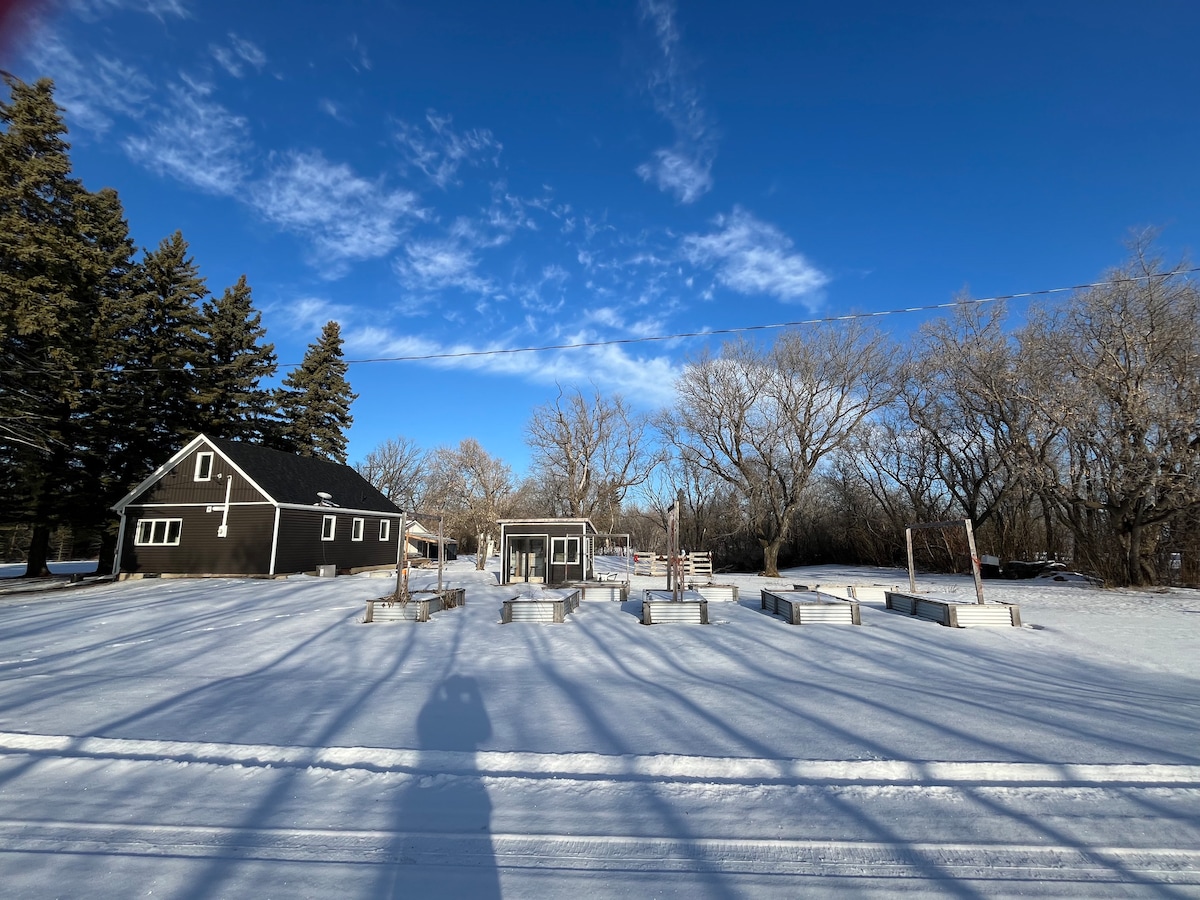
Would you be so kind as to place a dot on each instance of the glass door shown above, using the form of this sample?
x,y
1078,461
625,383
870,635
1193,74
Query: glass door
x,y
527,559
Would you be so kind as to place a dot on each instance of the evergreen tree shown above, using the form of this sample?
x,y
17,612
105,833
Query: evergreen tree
x,y
163,346
233,403
60,255
316,398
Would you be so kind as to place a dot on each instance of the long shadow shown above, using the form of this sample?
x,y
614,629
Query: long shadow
x,y
842,697
452,720
573,690
219,869
1033,824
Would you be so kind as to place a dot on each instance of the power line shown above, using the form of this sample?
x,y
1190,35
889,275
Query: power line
x,y
743,329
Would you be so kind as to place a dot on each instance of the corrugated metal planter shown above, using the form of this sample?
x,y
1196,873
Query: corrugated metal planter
x,y
418,608
546,608
602,590
716,592
659,609
954,615
811,608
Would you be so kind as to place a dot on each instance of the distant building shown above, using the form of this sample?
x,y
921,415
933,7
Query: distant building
x,y
546,551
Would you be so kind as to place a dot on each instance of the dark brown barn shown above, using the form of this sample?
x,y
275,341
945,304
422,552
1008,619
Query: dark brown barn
x,y
229,508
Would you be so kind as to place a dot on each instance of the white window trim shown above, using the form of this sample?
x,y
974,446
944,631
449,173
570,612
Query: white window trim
x,y
570,551
143,536
206,455
385,530
357,528
328,528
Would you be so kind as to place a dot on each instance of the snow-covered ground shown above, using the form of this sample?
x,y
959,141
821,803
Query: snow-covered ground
x,y
249,738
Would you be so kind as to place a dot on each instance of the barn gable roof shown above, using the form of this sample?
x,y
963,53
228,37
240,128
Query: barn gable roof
x,y
285,478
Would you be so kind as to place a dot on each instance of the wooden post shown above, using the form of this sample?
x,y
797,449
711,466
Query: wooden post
x,y
674,562
974,561
442,551
402,559
912,574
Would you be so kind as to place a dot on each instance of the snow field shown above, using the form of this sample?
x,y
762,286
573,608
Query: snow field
x,y
233,738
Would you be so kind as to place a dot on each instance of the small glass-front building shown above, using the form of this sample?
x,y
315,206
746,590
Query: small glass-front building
x,y
546,551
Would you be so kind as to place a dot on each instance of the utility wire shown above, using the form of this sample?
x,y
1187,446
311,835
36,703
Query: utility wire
x,y
743,329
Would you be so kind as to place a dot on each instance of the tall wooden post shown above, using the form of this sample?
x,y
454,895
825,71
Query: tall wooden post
x,y
442,550
912,572
974,561
402,560
674,560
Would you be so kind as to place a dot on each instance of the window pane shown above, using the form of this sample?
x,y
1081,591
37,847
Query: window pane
x,y
160,532
173,529
204,466
385,530
143,532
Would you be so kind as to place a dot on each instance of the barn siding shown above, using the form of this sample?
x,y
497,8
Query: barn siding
x,y
300,548
245,551
177,484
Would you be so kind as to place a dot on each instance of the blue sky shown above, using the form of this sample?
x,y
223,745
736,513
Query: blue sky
x,y
458,175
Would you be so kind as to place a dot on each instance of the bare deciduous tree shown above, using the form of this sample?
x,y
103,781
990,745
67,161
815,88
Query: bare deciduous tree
x,y
397,469
591,451
763,421
1115,379
474,488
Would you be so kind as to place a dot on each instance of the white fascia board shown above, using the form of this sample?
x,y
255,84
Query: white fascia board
x,y
550,521
172,505
331,510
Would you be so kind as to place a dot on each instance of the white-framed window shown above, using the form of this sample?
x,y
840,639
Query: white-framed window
x,y
385,529
356,530
328,527
158,532
564,550
204,467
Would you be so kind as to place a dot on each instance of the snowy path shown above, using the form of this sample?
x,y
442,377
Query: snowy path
x,y
250,817
235,739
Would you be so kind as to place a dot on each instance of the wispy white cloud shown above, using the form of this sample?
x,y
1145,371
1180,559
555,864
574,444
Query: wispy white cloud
x,y
333,110
754,257
197,141
675,171
345,216
158,8
429,266
647,380
307,315
237,54
92,90
439,151
360,59
685,168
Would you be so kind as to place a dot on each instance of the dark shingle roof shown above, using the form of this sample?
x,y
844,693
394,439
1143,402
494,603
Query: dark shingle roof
x,y
288,478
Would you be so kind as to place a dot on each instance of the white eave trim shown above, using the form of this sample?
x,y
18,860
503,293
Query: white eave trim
x,y
338,510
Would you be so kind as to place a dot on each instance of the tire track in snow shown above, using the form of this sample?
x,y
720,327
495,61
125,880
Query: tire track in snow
x,y
1168,866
